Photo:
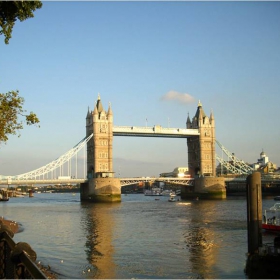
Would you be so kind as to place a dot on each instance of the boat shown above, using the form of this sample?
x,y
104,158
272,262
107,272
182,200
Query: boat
x,y
271,218
19,195
178,192
153,192
277,198
166,192
172,197
3,196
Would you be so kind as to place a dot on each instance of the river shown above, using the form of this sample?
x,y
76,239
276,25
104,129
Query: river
x,y
138,238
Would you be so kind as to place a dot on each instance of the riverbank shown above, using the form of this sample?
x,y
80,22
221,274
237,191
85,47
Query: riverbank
x,y
14,226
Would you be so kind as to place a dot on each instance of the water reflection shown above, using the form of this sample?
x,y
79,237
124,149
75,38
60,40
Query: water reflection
x,y
138,238
200,240
99,223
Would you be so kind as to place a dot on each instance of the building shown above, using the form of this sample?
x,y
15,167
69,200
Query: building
x,y
177,172
263,164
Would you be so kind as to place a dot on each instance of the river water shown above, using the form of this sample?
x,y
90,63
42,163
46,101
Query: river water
x,y
138,238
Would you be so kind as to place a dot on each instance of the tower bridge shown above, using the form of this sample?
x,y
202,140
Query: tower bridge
x,y
99,182
200,135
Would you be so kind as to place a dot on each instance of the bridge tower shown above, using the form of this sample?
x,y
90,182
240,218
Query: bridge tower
x,y
202,158
101,185
201,149
100,147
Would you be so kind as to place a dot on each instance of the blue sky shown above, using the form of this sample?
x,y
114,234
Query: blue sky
x,y
225,54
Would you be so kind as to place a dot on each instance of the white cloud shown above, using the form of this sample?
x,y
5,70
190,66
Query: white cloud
x,y
178,97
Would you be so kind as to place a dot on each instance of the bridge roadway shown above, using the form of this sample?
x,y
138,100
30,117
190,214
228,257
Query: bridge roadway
x,y
124,181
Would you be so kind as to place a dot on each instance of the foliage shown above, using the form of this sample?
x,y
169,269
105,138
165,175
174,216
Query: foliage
x,y
10,11
11,109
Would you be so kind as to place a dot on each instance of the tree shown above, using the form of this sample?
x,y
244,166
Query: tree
x,y
11,104
11,110
10,11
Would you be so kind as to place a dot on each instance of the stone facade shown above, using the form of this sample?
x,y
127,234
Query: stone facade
x,y
201,149
101,185
205,187
100,147
101,190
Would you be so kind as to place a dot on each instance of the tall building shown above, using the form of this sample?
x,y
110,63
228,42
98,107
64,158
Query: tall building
x,y
100,147
201,149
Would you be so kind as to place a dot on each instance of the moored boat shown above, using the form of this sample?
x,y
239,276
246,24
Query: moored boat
x,y
277,198
271,218
4,196
153,192
166,192
172,198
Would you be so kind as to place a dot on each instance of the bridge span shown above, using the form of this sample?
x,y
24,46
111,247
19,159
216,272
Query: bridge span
x,y
123,181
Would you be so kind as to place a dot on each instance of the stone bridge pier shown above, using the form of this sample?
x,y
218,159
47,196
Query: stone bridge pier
x,y
205,188
101,190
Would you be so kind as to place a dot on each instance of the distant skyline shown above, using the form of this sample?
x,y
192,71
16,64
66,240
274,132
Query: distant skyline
x,y
153,61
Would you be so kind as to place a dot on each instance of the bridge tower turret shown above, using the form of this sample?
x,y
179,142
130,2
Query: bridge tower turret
x,y
201,149
100,147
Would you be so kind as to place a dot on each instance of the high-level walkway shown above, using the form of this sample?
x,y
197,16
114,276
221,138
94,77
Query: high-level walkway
x,y
155,131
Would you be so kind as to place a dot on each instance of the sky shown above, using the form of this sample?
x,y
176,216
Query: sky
x,y
152,61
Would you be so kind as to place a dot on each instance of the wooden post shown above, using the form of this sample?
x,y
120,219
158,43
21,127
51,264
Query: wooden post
x,y
254,212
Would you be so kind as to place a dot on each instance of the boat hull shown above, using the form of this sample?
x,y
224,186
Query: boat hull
x,y
271,227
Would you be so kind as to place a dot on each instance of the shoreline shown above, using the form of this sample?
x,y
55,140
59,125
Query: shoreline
x,y
14,226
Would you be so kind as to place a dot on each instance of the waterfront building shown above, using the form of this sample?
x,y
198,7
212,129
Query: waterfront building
x,y
177,172
264,165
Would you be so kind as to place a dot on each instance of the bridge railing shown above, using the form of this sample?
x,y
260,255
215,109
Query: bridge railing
x,y
17,261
